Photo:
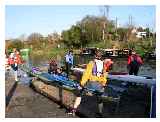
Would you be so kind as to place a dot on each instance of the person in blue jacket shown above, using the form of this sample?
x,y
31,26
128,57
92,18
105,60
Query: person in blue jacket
x,y
69,62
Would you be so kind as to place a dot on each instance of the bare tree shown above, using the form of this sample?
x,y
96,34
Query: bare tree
x,y
116,24
105,13
22,37
104,10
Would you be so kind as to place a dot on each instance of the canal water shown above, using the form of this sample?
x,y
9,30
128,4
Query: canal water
x,y
120,64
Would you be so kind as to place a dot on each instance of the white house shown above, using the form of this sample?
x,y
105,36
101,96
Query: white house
x,y
142,34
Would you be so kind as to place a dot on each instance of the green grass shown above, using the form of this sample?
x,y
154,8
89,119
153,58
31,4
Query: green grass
x,y
100,45
48,52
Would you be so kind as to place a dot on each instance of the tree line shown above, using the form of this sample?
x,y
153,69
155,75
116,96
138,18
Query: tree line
x,y
95,31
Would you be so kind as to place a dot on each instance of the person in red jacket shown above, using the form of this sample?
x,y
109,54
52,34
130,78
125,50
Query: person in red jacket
x,y
18,58
108,64
14,61
52,67
134,63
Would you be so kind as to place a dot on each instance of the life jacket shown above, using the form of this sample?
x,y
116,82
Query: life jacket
x,y
14,59
139,59
94,72
53,63
107,64
53,66
98,67
11,59
135,60
17,59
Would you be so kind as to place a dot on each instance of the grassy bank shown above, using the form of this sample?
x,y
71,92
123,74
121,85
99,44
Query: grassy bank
x,y
48,53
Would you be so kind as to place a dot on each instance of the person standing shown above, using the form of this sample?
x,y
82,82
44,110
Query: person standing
x,y
134,63
108,64
69,62
14,61
94,77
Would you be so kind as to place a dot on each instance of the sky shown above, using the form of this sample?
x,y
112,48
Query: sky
x,y
24,20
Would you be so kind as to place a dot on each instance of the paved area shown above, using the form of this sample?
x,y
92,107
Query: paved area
x,y
23,102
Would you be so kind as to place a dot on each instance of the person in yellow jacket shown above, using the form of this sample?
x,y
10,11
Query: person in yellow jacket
x,y
94,77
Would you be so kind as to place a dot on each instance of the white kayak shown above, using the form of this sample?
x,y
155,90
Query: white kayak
x,y
126,78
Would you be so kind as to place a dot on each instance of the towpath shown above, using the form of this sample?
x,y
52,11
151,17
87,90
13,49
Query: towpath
x,y
23,102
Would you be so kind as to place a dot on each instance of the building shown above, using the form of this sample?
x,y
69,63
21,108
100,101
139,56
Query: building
x,y
139,34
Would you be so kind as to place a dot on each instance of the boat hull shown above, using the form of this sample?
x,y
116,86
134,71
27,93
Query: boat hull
x,y
66,98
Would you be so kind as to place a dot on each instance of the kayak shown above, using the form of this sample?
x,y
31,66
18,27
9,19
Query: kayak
x,y
61,80
122,76
63,90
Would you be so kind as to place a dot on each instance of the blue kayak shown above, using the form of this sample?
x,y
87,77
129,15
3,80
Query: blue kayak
x,y
61,80
67,83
